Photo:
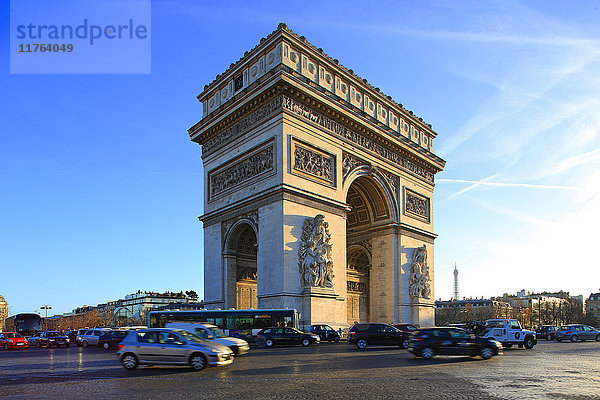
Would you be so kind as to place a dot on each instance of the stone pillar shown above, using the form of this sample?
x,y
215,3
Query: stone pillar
x,y
230,279
382,287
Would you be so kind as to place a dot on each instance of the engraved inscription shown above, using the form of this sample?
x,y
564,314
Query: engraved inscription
x,y
352,286
247,169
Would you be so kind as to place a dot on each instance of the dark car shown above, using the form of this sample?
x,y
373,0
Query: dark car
x,y
111,339
547,332
285,336
325,332
363,335
429,342
407,329
72,335
53,338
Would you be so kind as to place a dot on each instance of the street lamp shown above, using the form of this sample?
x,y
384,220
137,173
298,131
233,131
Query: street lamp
x,y
46,307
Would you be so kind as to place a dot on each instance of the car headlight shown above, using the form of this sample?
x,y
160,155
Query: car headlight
x,y
10,340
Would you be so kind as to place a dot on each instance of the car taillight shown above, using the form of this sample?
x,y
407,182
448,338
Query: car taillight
x,y
352,333
121,346
258,336
418,339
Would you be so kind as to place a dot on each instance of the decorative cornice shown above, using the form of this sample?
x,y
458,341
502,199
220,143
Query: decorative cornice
x,y
270,53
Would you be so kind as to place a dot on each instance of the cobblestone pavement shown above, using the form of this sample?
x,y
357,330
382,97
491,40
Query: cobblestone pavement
x,y
325,371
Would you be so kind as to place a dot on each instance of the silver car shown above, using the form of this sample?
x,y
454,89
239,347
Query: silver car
x,y
90,337
171,347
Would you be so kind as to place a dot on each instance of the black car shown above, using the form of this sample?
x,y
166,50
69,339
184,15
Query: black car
x,y
72,335
429,342
53,338
111,339
363,335
285,336
547,332
325,332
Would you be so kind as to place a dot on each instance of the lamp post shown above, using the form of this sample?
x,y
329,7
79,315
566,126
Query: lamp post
x,y
46,307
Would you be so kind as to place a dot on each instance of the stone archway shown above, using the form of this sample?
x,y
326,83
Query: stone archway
x,y
370,298
241,258
357,284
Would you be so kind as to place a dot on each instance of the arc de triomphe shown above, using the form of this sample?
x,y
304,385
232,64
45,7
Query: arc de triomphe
x,y
318,191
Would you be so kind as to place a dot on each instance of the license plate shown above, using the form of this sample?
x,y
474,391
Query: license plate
x,y
20,344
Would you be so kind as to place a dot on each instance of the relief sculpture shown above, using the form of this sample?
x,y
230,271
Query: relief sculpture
x,y
315,253
313,163
241,172
420,281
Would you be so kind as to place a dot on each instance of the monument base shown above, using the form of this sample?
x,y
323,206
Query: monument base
x,y
319,306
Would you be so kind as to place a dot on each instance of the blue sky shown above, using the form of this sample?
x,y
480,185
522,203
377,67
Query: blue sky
x,y
101,186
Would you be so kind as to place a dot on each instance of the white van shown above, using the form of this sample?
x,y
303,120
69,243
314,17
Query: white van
x,y
214,333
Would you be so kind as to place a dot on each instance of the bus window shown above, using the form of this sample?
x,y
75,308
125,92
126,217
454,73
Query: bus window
x,y
244,323
262,321
153,321
287,321
278,321
219,322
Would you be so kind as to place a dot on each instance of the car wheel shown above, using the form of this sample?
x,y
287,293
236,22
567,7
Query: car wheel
x,y
198,361
404,344
106,346
129,361
85,343
487,353
549,337
5,346
427,353
361,344
337,339
305,342
528,343
269,343
574,338
40,343
597,338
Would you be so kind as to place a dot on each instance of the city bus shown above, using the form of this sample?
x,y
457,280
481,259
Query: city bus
x,y
244,324
28,324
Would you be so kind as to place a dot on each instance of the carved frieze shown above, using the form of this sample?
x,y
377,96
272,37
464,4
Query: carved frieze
x,y
243,125
416,205
356,138
242,172
317,164
393,181
315,261
349,163
360,287
420,280
246,274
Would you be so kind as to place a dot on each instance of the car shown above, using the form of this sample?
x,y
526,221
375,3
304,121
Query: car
x,y
91,336
509,332
53,338
325,332
429,342
214,333
13,340
546,332
33,339
111,339
367,334
72,335
80,332
406,329
277,335
171,347
575,332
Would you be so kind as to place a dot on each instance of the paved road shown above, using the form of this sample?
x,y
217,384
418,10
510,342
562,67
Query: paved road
x,y
325,371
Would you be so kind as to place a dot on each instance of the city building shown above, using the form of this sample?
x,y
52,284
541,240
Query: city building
x,y
592,305
457,311
318,191
3,312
